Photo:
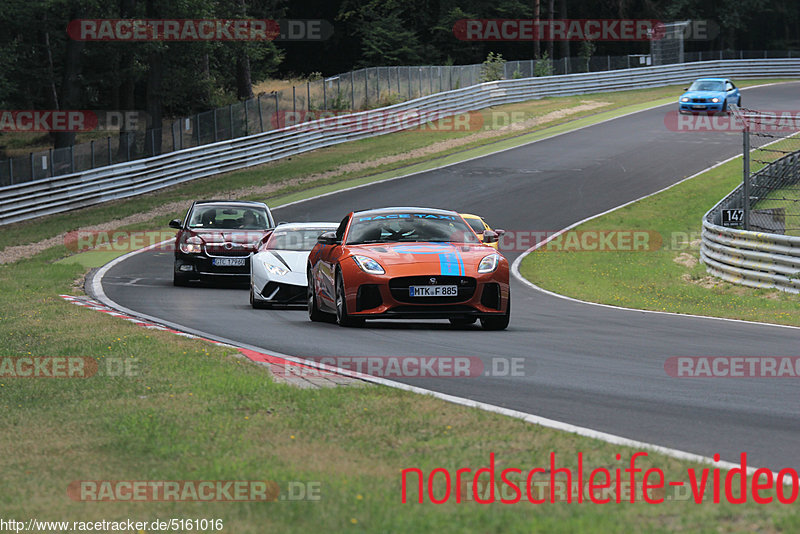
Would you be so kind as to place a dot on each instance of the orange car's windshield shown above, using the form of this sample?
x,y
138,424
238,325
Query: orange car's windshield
x,y
409,227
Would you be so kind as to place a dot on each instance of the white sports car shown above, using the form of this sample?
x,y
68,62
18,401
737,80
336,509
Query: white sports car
x,y
278,269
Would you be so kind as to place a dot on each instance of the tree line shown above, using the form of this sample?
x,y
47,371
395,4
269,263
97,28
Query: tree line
x,y
42,68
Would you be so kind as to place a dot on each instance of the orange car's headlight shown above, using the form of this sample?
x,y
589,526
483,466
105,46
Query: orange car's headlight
x,y
368,265
489,263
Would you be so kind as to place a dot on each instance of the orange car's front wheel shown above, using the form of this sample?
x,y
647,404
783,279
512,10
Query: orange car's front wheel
x,y
342,317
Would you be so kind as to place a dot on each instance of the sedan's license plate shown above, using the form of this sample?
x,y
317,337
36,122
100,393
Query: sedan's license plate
x,y
228,262
698,107
433,291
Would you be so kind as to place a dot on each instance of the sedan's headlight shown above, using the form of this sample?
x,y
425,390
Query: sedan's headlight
x,y
489,263
368,265
715,99
192,245
685,99
277,270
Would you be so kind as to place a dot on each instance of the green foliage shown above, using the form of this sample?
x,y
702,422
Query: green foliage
x,y
585,53
517,74
543,66
492,68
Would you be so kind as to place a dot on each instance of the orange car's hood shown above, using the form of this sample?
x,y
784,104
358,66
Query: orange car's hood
x,y
445,258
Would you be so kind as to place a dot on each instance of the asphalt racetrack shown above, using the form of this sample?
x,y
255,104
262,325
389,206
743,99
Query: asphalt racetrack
x,y
586,365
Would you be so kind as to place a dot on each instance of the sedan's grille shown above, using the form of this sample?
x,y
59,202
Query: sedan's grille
x,y
699,100
399,288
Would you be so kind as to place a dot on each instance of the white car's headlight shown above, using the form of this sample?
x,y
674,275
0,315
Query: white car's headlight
x,y
715,99
368,265
685,99
277,270
489,263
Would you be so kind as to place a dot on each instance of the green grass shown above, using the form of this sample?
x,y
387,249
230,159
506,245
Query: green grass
x,y
196,411
653,280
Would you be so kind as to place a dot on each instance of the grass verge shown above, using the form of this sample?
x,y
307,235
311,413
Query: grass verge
x,y
190,410
670,278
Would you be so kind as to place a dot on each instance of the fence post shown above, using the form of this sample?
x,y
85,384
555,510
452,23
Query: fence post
x,y
108,146
230,120
308,96
50,156
378,85
128,145
746,174
91,145
408,72
352,91
246,118
294,101
277,112
324,95
197,127
260,117
11,171
32,175
215,125
397,73
180,133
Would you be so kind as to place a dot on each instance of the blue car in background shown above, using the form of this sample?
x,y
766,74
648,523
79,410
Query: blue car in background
x,y
709,95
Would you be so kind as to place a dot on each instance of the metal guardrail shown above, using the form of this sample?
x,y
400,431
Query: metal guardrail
x,y
754,259
62,193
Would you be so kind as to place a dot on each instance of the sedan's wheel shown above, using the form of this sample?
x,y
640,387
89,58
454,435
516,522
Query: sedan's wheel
x,y
314,313
739,102
498,322
725,105
342,317
462,321
254,302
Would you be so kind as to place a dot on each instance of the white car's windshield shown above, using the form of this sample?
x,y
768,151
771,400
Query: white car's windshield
x,y
295,239
413,227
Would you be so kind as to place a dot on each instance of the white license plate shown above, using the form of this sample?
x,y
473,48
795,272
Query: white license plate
x,y
433,291
698,107
228,262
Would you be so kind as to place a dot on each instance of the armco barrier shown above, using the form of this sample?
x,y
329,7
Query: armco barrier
x,y
62,193
755,259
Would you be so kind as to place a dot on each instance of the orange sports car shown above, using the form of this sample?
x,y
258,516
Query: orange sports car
x,y
408,263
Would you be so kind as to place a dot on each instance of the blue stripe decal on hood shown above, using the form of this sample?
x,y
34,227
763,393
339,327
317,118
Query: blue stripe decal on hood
x,y
449,264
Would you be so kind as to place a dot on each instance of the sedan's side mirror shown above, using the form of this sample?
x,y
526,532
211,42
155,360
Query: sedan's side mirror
x,y
328,238
490,236
175,223
685,88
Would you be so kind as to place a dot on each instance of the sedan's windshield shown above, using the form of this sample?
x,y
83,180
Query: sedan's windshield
x,y
707,85
393,227
229,217
295,239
